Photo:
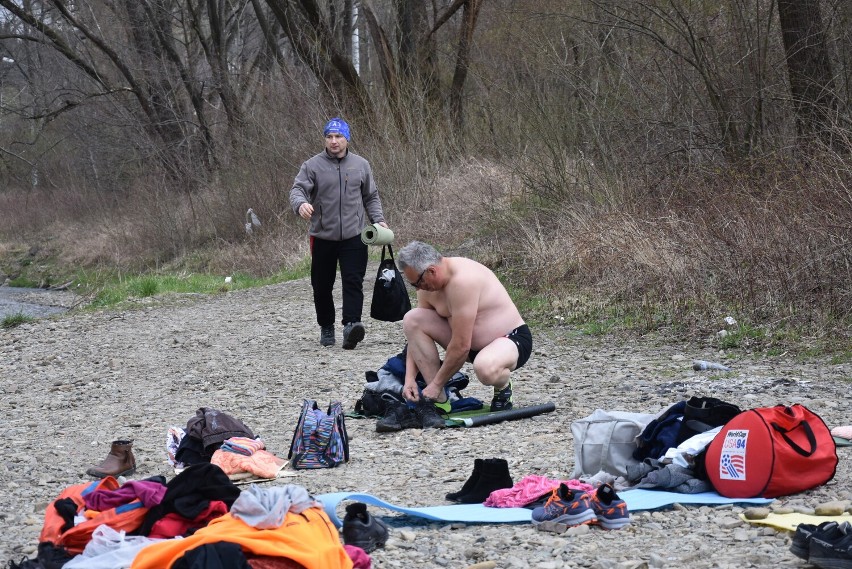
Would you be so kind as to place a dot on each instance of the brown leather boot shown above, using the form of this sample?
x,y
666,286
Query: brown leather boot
x,y
119,462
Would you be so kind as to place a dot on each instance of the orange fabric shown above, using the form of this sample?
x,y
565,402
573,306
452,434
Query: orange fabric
x,y
261,463
308,538
53,522
127,517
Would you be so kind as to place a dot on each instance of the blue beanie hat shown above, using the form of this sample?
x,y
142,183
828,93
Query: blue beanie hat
x,y
337,126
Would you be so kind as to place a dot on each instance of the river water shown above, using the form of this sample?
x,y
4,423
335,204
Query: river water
x,y
33,302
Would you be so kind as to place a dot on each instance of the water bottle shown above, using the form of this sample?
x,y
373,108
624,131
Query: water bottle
x,y
699,365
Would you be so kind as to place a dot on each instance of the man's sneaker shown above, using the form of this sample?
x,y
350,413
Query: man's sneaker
x,y
832,551
397,417
428,414
352,334
610,510
327,335
565,506
800,545
360,529
502,400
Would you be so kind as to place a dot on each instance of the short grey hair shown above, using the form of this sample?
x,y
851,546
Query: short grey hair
x,y
419,256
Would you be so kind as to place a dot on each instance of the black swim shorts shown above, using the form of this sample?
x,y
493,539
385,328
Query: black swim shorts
x,y
523,340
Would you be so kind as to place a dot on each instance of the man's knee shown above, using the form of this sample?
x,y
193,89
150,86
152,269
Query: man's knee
x,y
415,319
490,371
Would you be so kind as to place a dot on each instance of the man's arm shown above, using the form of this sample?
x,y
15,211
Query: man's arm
x,y
302,186
370,196
463,304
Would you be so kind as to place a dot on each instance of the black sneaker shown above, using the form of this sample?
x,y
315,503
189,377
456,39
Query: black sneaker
x,y
502,400
397,417
360,529
352,334
832,550
801,543
430,417
327,335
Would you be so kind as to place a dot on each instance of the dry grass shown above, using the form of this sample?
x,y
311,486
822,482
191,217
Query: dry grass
x,y
771,244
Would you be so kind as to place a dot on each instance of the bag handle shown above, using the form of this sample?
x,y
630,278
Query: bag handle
x,y
390,250
809,432
605,450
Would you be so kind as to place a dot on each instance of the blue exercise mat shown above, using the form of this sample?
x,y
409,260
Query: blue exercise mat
x,y
637,500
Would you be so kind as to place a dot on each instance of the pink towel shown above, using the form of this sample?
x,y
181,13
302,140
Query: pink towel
x,y
529,489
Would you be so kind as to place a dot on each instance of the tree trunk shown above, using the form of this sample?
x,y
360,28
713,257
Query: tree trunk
x,y
469,16
809,67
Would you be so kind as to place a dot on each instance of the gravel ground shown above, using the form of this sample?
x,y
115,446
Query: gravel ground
x,y
73,383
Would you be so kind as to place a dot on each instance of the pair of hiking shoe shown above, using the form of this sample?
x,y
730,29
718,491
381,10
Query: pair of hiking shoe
x,y
827,545
420,415
353,332
567,507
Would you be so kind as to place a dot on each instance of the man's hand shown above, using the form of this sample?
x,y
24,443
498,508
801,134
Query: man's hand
x,y
433,392
306,210
383,224
411,392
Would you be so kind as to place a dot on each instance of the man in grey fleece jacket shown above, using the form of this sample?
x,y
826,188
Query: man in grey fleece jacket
x,y
335,190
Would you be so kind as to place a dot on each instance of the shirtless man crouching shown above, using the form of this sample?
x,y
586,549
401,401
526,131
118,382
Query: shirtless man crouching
x,y
464,308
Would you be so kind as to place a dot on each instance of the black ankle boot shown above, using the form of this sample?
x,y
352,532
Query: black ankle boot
x,y
469,484
493,476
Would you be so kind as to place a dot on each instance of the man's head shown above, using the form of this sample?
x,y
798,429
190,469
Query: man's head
x,y
336,133
419,262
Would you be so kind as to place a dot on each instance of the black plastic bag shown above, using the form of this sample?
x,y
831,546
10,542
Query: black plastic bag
x,y
390,299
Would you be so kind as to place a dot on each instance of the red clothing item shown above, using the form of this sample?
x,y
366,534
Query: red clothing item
x,y
172,524
309,538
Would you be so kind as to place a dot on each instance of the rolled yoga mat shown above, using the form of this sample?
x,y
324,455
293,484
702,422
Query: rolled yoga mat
x,y
518,413
375,234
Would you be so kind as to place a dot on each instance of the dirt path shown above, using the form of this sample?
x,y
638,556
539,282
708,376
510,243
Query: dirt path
x,y
72,384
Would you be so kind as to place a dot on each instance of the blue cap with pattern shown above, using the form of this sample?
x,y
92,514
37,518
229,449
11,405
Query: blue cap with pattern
x,y
336,126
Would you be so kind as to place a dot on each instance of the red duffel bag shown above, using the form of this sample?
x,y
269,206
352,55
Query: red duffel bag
x,y
771,452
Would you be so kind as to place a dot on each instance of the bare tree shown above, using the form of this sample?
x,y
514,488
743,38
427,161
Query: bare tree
x,y
811,78
311,34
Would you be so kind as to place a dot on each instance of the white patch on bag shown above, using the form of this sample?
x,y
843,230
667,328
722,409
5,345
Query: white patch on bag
x,y
732,463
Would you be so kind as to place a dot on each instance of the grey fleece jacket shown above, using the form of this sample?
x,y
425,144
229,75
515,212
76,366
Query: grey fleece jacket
x,y
340,191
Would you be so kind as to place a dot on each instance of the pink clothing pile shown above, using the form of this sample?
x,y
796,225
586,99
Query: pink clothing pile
x,y
529,489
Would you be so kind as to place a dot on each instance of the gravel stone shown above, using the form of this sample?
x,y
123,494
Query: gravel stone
x,y
73,383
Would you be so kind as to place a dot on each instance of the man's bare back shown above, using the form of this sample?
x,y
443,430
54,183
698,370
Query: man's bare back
x,y
473,286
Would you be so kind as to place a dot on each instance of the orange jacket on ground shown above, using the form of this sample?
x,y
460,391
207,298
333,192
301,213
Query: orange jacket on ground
x,y
308,538
127,517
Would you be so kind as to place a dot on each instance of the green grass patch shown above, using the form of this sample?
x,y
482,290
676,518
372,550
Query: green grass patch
x,y
598,327
743,336
15,320
110,289
23,282
145,287
841,358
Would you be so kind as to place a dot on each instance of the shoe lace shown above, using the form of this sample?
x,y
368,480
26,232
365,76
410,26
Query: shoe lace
x,y
553,499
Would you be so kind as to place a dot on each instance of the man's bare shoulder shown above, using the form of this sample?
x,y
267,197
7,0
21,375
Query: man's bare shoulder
x,y
462,266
